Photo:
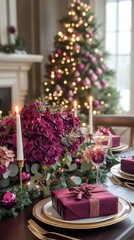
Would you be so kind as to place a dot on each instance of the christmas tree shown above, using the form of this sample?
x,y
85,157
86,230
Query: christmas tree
x,y
76,68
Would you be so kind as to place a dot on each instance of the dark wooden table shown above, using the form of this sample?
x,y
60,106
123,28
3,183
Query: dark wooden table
x,y
16,228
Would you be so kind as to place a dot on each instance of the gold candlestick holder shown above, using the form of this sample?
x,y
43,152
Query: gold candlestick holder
x,y
90,135
20,164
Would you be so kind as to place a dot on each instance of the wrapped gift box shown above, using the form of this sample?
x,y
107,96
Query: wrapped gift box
x,y
115,140
95,201
127,164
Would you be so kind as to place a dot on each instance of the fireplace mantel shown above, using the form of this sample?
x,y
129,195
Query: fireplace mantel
x,y
14,70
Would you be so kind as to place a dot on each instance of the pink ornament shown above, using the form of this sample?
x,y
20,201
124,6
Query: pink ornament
x,y
86,54
58,51
94,77
81,66
9,199
100,54
93,59
70,99
76,74
87,82
50,57
103,82
58,88
77,47
90,33
96,103
67,57
90,72
75,18
77,161
99,86
99,71
103,67
70,93
25,176
77,34
58,75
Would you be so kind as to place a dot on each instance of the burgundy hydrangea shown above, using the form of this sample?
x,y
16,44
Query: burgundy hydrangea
x,y
11,30
46,133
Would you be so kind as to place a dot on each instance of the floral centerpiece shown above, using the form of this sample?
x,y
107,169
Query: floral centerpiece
x,y
55,151
15,45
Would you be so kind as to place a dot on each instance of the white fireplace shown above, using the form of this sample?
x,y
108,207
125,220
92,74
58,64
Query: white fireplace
x,y
14,70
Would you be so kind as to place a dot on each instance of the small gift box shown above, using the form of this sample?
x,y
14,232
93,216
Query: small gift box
x,y
127,164
88,200
115,140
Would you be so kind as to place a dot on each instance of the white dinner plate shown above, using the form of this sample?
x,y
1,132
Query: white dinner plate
x,y
50,212
122,147
115,170
39,214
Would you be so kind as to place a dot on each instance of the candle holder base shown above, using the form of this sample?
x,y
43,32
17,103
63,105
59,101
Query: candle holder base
x,y
20,164
90,135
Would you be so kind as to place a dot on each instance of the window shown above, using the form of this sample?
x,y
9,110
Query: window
x,y
118,25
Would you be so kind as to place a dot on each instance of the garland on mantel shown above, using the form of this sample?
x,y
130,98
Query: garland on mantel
x,y
15,45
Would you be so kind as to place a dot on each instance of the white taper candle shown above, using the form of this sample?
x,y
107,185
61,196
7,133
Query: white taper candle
x,y
20,154
75,108
90,115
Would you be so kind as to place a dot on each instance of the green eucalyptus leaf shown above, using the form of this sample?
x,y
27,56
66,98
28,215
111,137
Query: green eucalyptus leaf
x,y
72,167
48,176
13,169
77,180
63,182
27,166
35,168
86,166
47,192
31,186
67,159
37,176
4,182
6,174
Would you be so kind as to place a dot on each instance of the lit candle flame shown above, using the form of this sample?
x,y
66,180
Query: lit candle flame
x,y
17,109
90,99
75,104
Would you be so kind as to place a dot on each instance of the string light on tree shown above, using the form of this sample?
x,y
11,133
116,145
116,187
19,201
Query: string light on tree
x,y
80,58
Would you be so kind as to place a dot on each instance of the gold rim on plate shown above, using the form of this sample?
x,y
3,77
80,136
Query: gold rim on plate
x,y
121,215
126,173
50,212
115,170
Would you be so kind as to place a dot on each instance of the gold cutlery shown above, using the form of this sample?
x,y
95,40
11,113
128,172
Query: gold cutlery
x,y
37,234
43,231
117,181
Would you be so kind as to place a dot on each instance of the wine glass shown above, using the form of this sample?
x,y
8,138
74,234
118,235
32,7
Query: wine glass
x,y
98,152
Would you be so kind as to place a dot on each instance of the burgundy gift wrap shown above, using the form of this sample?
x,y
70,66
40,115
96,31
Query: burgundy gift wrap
x,y
70,208
127,164
115,140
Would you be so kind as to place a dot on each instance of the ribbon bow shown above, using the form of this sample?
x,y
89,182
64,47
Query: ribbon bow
x,y
84,190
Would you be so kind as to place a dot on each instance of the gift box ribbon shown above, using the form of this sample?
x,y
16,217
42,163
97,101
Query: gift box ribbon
x,y
87,191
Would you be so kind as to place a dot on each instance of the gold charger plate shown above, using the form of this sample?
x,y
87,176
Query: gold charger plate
x,y
115,170
121,215
125,173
